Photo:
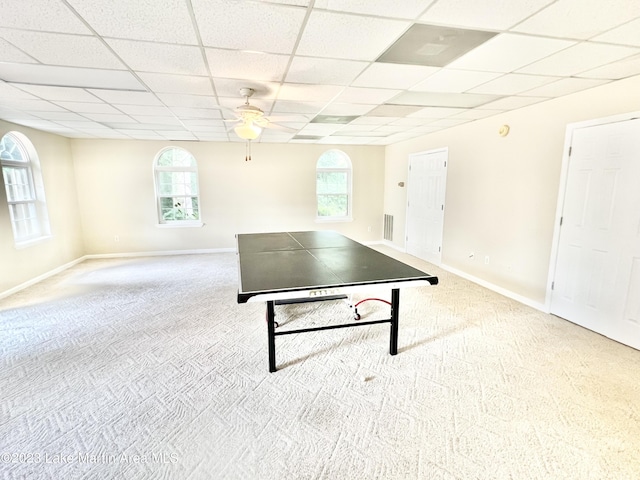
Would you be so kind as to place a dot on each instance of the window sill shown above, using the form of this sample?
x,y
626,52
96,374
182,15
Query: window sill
x,y
333,219
180,225
32,242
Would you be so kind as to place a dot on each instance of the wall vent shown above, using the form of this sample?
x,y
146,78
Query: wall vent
x,y
388,227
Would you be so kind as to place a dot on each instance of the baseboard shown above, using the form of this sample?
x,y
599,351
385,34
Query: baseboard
x,y
62,268
42,277
502,291
160,253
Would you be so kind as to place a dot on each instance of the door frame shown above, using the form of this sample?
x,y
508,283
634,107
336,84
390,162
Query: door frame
x,y
562,189
438,260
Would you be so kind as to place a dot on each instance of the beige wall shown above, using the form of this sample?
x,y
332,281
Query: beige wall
x,y
502,191
65,245
273,192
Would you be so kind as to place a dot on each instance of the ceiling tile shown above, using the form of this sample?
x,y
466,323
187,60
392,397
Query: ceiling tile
x,y
580,19
60,93
88,107
627,34
454,81
336,35
366,95
311,93
183,100
110,118
512,84
436,112
579,58
616,70
230,87
63,49
126,98
564,86
192,113
29,16
68,76
508,52
512,103
476,113
15,92
370,120
487,14
428,99
143,110
254,65
323,70
9,53
310,107
153,20
393,75
248,26
393,110
160,57
32,106
166,83
346,109
383,8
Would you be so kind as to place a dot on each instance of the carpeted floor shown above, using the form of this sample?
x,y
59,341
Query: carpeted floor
x,y
147,368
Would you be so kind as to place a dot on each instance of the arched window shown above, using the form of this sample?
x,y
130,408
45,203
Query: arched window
x,y
177,192
333,186
24,188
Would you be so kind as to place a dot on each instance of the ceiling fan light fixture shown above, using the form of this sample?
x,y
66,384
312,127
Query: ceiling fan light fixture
x,y
248,131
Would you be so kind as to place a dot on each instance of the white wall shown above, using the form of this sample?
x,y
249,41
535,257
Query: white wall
x,y
273,192
502,191
19,265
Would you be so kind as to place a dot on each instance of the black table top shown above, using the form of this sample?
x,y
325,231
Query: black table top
x,y
300,261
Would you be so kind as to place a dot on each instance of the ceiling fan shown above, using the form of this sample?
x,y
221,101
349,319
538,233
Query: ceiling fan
x,y
251,120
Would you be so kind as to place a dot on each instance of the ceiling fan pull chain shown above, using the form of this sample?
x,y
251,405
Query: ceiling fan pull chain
x,y
248,153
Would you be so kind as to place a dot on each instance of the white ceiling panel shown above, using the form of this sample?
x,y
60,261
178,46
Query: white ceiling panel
x,y
383,8
579,58
627,34
241,64
245,25
29,16
508,52
155,20
160,57
89,107
323,70
512,84
580,19
565,86
59,93
335,35
166,83
393,75
616,70
454,81
173,69
10,53
365,95
487,14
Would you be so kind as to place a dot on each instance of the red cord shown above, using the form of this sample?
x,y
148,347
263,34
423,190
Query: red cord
x,y
367,299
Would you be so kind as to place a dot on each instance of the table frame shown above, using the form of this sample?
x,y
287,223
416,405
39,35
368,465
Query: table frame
x,y
272,333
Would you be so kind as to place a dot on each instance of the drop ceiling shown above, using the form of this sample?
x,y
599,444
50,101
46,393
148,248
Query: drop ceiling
x,y
366,72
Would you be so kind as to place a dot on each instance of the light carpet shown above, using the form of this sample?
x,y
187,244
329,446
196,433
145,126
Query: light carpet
x,y
147,368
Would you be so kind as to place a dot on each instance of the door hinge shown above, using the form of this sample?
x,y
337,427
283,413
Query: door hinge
x,y
439,249
553,285
570,149
445,163
442,208
561,218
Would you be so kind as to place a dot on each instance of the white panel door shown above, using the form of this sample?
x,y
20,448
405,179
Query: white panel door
x,y
425,204
597,276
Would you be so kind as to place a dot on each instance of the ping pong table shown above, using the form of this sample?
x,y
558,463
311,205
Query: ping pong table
x,y
293,267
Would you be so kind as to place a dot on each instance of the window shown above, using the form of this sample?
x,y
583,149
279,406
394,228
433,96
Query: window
x,y
24,188
333,186
177,193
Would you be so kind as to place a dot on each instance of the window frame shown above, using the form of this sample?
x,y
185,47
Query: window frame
x,y
348,170
37,217
157,170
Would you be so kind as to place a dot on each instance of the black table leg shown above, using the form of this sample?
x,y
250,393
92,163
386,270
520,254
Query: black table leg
x,y
271,332
395,307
